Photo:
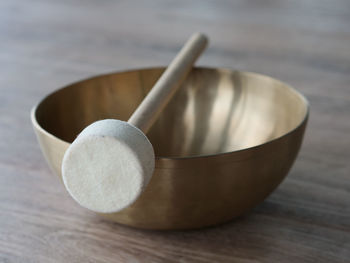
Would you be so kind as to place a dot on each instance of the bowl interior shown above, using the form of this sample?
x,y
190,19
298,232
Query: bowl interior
x,y
215,110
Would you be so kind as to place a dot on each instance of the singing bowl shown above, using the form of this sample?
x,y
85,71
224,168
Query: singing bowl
x,y
223,144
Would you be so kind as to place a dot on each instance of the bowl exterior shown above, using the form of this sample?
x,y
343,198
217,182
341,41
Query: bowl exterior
x,y
187,193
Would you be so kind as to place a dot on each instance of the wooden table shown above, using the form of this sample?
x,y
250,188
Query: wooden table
x,y
47,44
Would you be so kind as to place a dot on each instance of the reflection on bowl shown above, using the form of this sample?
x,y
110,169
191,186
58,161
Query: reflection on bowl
x,y
223,144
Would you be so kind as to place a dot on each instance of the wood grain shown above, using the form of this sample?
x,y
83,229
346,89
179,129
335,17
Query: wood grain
x,y
47,44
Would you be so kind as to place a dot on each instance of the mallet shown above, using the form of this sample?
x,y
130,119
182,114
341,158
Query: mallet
x,y
110,163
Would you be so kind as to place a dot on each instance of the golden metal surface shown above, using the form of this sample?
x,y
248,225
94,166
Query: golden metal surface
x,y
223,144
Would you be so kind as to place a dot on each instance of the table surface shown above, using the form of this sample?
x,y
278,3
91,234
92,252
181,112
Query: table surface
x,y
47,44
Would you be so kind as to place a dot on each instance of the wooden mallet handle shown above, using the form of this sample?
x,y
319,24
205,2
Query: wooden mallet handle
x,y
161,93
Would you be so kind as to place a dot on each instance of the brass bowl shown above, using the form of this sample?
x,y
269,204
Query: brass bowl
x,y
223,144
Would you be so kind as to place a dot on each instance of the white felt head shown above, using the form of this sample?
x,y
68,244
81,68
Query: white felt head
x,y
108,166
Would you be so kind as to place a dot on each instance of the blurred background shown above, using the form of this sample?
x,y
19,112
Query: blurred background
x,y
46,44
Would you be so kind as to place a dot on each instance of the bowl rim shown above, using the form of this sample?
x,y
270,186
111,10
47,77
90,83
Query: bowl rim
x,y
223,69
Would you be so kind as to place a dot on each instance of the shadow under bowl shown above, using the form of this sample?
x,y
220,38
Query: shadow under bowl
x,y
223,144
